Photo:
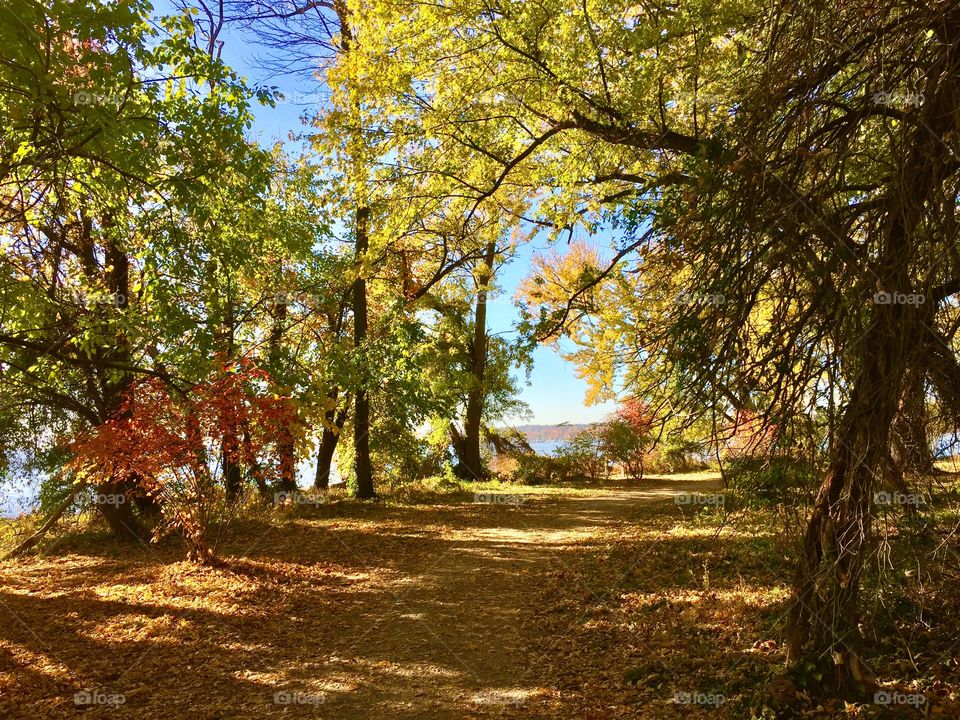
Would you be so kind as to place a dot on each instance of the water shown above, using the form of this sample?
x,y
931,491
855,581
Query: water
x,y
19,496
546,447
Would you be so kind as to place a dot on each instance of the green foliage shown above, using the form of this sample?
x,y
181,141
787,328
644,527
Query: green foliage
x,y
54,489
770,480
528,469
584,456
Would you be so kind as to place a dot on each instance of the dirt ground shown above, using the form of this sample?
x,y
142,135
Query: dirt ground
x,y
578,604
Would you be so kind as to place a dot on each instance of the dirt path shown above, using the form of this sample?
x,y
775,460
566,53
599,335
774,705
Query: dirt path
x,y
428,612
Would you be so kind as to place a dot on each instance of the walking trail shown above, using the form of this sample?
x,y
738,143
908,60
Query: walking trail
x,y
356,611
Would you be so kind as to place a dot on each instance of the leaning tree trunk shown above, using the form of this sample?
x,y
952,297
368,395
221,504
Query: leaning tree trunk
x,y
471,464
823,617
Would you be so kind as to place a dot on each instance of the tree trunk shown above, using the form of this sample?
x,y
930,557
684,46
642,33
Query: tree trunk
x,y
230,446
119,517
286,445
361,425
328,444
361,421
471,462
232,473
909,445
458,444
32,540
823,616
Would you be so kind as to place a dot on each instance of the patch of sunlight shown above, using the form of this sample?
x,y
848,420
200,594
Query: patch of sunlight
x,y
686,531
756,596
334,686
279,681
208,600
687,477
27,591
507,534
137,627
749,594
349,666
37,662
498,697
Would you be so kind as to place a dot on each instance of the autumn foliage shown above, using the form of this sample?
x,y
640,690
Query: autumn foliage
x,y
172,446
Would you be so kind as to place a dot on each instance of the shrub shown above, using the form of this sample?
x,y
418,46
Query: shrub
x,y
524,468
769,480
584,456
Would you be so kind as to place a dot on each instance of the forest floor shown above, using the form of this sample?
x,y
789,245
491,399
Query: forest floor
x,y
589,603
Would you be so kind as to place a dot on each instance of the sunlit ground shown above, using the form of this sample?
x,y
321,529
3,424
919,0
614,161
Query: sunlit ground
x,y
612,602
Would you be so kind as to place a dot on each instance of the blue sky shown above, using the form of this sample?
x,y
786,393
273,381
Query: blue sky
x,y
554,394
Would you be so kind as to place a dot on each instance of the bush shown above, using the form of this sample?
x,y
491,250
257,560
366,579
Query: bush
x,y
765,481
584,456
627,445
401,454
524,468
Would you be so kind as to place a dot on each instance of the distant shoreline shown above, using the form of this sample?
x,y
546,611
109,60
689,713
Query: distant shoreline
x,y
550,433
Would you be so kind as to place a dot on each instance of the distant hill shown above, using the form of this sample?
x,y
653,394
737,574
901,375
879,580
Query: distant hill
x,y
542,433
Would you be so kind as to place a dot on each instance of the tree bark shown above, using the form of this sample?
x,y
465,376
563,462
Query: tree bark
x,y
286,446
328,443
909,444
232,472
119,517
823,616
361,425
230,446
361,421
471,465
